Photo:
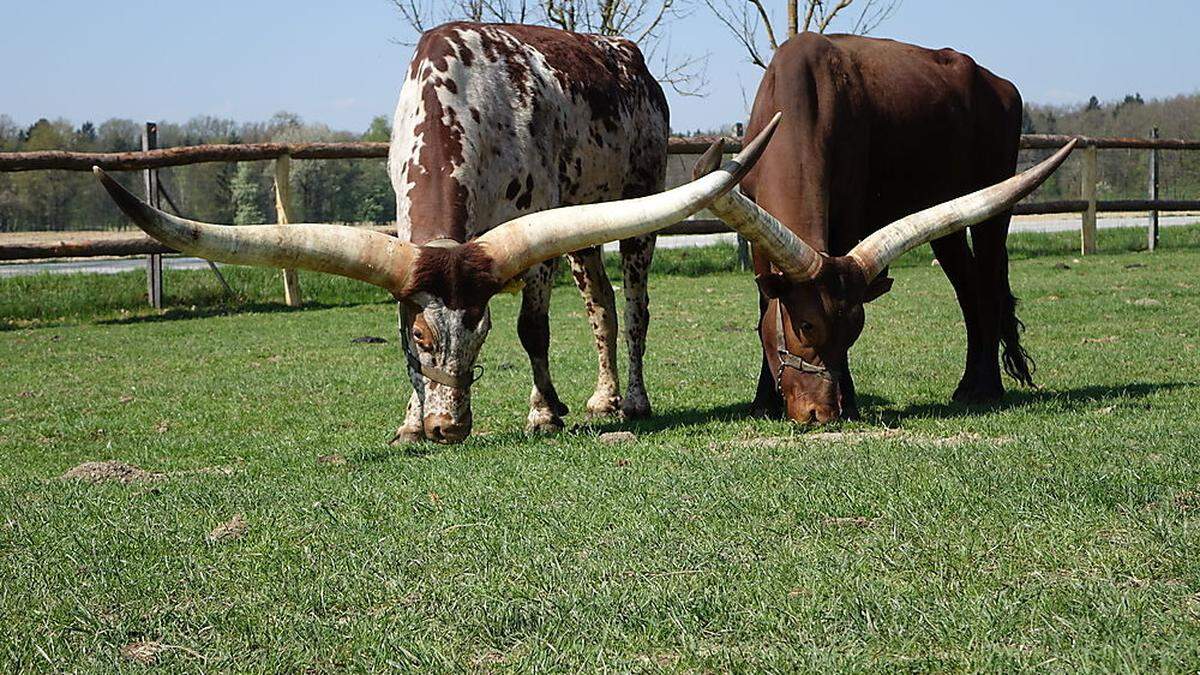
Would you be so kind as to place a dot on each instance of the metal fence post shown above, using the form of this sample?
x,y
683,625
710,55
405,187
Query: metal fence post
x,y
283,211
1088,188
154,283
1152,234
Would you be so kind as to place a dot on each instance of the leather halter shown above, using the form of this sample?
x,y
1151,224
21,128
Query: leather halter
x,y
790,360
432,373
459,381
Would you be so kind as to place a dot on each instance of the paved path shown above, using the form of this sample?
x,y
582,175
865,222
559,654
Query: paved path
x,y
112,266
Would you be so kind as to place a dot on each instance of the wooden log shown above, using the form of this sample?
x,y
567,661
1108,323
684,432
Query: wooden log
x,y
1088,180
193,154
248,152
1049,208
75,246
1056,141
283,216
157,159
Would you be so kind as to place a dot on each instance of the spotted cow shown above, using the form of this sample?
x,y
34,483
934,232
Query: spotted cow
x,y
512,146
495,121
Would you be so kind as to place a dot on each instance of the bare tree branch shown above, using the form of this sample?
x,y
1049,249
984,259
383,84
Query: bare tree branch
x,y
746,18
828,17
766,20
639,20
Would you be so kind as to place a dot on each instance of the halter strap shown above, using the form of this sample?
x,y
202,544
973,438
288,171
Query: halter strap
x,y
433,373
790,360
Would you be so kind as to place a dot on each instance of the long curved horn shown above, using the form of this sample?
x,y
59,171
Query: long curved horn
x,y
790,254
519,244
368,256
885,245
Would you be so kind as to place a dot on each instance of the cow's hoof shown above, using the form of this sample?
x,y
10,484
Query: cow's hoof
x,y
603,404
407,436
969,394
543,422
635,408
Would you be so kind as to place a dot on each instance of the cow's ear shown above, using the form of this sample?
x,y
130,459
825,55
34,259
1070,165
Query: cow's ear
x,y
878,286
771,285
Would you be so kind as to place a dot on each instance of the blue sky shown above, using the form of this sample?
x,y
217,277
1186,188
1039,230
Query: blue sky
x,y
339,63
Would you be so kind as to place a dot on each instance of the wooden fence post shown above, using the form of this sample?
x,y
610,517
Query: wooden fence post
x,y
1088,179
743,246
154,283
283,210
1152,234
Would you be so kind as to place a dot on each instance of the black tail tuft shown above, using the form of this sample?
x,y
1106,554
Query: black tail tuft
x,y
1017,362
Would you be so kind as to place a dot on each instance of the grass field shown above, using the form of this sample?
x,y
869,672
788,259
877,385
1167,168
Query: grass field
x,y
1058,529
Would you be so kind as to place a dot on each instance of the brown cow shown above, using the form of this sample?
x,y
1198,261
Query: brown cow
x,y
875,130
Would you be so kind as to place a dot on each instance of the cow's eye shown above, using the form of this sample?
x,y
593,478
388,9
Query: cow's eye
x,y
805,326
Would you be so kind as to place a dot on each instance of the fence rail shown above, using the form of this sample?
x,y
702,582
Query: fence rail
x,y
126,244
57,160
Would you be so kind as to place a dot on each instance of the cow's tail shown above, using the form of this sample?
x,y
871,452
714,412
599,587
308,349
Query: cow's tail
x,y
1017,362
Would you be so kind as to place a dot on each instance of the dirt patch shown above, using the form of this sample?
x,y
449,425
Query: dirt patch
x,y
1187,501
332,460
234,529
770,442
617,437
1101,340
622,462
111,471
1147,302
369,340
853,437
857,522
489,658
144,652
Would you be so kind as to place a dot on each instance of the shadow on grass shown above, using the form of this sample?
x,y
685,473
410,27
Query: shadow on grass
x,y
187,313
1070,399
879,411
876,409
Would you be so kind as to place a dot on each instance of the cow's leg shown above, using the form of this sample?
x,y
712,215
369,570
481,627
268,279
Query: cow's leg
x,y
998,308
533,327
636,256
767,401
960,268
587,266
413,429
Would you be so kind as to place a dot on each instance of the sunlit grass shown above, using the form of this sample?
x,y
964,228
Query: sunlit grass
x,y
1058,528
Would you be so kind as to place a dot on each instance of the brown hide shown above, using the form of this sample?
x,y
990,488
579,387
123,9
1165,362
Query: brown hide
x,y
874,130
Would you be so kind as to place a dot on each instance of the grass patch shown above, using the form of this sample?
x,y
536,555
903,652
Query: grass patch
x,y
274,530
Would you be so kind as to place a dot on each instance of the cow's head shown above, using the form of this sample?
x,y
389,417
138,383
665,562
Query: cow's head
x,y
444,286
814,308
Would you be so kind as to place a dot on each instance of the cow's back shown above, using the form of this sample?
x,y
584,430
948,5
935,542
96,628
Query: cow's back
x,y
496,120
887,127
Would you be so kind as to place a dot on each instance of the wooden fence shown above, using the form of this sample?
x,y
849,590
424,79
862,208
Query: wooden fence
x,y
150,160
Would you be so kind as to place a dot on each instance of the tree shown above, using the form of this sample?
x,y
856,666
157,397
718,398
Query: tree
x,y
247,195
425,14
755,27
642,21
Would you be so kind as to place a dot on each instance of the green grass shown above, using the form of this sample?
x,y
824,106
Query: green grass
x,y
1057,530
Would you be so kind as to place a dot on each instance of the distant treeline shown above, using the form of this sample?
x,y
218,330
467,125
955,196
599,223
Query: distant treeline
x,y
359,190
322,190
1124,174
